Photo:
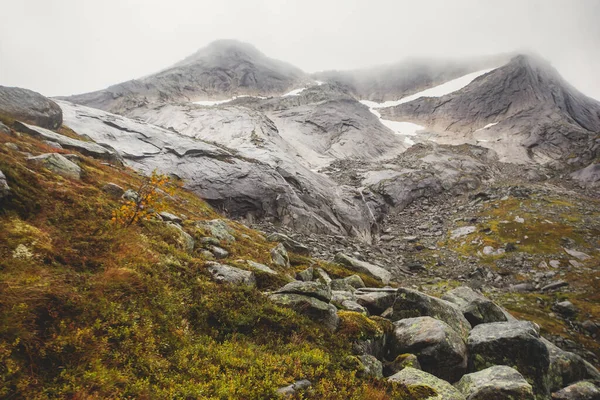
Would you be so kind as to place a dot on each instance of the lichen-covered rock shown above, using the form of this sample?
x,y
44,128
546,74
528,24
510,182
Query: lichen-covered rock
x,y
289,243
320,275
440,350
566,368
517,344
371,366
113,190
376,301
218,229
401,362
58,164
219,252
495,383
167,216
280,257
414,379
184,239
410,303
291,390
374,271
260,267
476,308
305,275
226,274
316,309
30,106
578,391
4,188
313,289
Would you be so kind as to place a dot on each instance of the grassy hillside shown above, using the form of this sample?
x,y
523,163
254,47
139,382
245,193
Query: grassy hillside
x,y
90,309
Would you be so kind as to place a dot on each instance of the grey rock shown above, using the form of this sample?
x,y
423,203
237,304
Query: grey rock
x,y
554,286
30,106
226,274
440,350
260,267
305,275
371,366
321,276
522,288
401,362
495,383
279,256
462,231
578,254
166,216
90,149
351,305
312,289
219,252
289,243
218,229
130,195
476,308
4,129
410,303
567,368
517,344
578,391
4,188
184,239
566,308
588,176
366,268
414,378
355,281
376,302
113,189
58,164
317,310
291,390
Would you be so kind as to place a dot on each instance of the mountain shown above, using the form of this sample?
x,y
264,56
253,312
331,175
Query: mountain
x,y
223,69
524,110
398,80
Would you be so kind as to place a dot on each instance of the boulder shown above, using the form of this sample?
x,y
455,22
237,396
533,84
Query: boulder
x,y
411,303
462,231
376,301
371,366
4,129
226,274
4,188
166,216
280,256
113,190
517,344
219,252
495,383
291,390
401,362
218,229
30,106
566,368
374,271
578,391
416,380
321,276
57,140
440,350
312,289
58,164
184,239
289,243
305,275
317,310
260,267
476,308
131,195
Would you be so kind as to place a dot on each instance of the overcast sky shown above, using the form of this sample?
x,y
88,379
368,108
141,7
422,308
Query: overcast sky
x,y
62,47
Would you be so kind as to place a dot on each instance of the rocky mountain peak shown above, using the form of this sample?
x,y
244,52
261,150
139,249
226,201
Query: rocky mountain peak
x,y
224,49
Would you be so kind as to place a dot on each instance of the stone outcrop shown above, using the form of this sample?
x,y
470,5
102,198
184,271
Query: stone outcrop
x,y
30,106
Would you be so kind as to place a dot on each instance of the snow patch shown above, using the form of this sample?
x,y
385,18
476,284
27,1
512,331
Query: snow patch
x,y
399,128
487,126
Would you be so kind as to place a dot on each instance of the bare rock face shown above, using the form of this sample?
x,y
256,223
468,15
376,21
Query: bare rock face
x,y
30,106
495,383
536,115
223,69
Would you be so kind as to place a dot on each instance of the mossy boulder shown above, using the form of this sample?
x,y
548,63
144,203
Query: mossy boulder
x,y
578,391
415,379
566,368
495,383
226,274
58,164
279,256
516,344
316,309
219,229
476,308
440,350
312,289
411,303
